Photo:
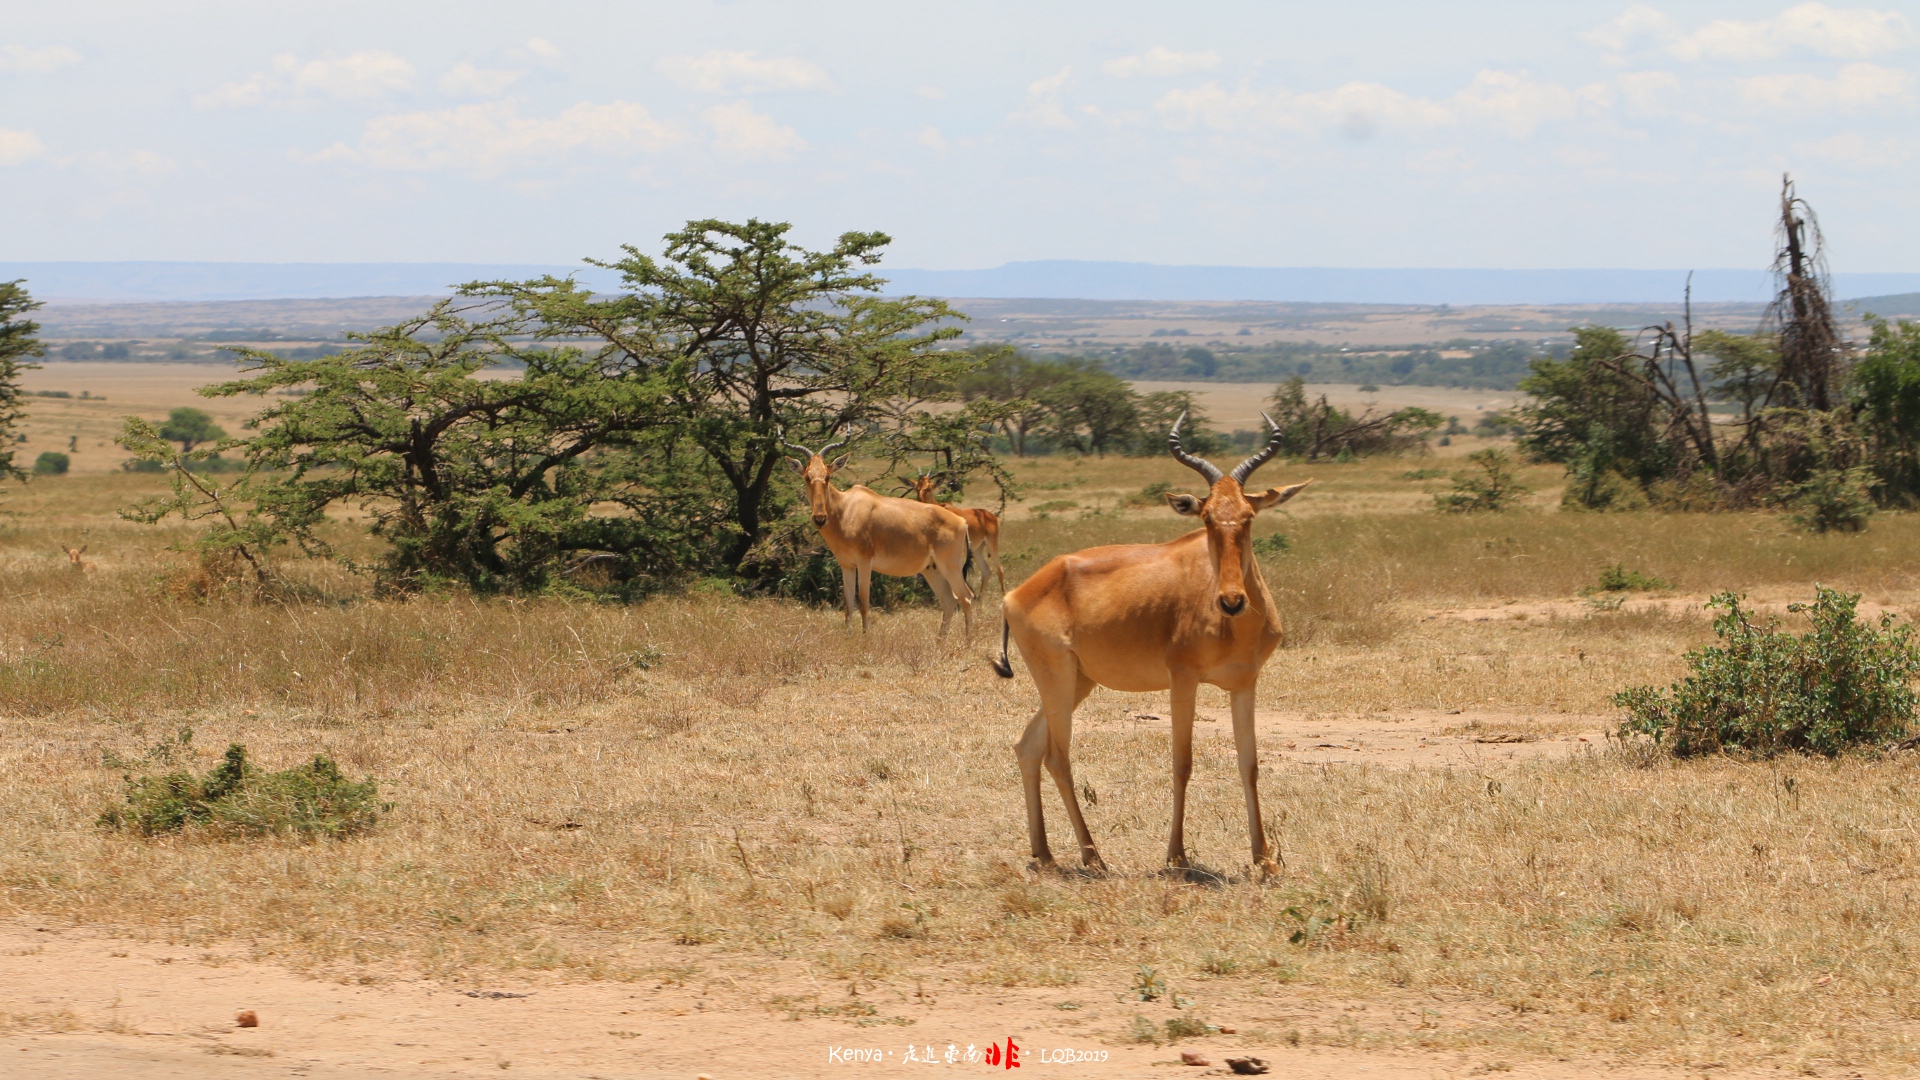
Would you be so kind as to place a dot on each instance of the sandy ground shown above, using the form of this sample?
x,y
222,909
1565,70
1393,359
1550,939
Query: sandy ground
x,y
75,1003
1469,739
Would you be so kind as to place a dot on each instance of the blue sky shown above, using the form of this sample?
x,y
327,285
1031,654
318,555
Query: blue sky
x,y
1260,134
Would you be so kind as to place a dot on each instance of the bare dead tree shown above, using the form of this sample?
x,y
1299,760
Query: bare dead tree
x,y
1657,368
1812,353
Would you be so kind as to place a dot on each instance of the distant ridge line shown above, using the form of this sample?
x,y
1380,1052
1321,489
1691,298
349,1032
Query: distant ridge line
x,y
132,282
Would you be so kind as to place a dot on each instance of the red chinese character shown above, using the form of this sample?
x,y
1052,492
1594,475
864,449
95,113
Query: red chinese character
x,y
1013,1054
993,1053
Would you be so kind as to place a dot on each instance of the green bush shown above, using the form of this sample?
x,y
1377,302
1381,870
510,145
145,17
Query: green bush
x,y
1492,489
1617,578
237,798
1829,500
1842,684
51,463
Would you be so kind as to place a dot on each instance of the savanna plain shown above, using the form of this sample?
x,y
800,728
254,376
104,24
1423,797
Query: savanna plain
x,y
708,834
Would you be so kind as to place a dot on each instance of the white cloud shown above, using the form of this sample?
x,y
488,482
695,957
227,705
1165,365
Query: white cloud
x,y
931,138
365,75
740,132
1357,109
545,50
143,162
1513,101
1856,150
17,147
932,93
1159,61
722,72
41,61
1044,107
1841,33
1647,92
487,138
466,80
1857,86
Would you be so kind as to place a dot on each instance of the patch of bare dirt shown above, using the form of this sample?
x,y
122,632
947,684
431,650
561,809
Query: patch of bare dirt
x,y
1470,738
74,1003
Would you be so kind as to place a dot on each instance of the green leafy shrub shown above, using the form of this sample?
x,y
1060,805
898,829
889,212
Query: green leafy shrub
x,y
51,463
1271,544
1844,683
1490,490
1830,500
1617,578
238,798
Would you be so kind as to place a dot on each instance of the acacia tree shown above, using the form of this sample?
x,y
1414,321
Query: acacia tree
x,y
490,481
18,340
745,334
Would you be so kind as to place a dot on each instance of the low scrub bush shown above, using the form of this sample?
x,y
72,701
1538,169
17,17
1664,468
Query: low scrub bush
x,y
1617,578
238,798
1844,683
1831,500
1492,489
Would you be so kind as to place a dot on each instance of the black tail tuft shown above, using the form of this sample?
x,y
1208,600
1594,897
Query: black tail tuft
x,y
967,567
1003,667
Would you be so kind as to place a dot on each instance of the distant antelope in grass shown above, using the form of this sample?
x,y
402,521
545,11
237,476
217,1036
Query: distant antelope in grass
x,y
869,532
1143,617
74,561
983,529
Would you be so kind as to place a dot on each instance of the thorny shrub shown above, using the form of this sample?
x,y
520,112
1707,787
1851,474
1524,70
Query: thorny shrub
x,y
238,798
1842,684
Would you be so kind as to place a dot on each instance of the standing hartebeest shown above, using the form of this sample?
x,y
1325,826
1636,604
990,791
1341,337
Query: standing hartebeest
x,y
869,532
1143,617
983,529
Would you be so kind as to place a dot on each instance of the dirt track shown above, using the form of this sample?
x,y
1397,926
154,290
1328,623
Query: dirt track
x,y
79,1004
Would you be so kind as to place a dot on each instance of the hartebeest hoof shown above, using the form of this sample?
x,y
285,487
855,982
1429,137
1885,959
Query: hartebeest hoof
x,y
1268,869
1092,861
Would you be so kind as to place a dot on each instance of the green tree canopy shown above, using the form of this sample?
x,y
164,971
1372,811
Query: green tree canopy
x,y
190,427
19,339
1589,414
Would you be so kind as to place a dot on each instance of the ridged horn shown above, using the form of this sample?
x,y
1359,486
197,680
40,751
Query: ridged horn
x,y
806,454
1199,465
1245,468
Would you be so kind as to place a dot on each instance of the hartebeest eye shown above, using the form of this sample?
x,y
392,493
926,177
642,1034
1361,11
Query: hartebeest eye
x,y
1185,504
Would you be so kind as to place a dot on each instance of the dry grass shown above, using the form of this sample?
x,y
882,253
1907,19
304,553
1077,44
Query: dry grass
x,y
582,786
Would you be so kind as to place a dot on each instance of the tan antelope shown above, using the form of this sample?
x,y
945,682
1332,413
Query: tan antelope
x,y
74,561
1145,617
983,529
872,533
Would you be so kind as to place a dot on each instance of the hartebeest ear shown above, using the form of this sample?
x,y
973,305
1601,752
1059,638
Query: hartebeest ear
x,y
798,465
1185,504
1275,496
841,461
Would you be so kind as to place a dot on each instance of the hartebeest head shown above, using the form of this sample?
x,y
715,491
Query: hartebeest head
x,y
814,470
1227,512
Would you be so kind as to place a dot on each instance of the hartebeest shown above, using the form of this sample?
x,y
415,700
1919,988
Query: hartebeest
x,y
872,533
1142,617
983,529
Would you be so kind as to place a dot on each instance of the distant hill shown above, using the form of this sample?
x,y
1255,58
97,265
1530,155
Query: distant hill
x,y
1897,305
97,282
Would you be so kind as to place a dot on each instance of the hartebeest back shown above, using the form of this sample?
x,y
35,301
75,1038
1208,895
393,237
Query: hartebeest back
x,y
871,533
983,529
1143,617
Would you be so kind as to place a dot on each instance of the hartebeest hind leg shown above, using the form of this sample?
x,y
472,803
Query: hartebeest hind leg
x,y
1185,691
1248,751
946,576
1048,740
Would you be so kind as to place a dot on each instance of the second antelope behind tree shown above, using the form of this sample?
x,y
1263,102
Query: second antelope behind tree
x,y
1144,617
871,533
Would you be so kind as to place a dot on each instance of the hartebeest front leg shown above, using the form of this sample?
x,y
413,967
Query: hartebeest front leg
x,y
848,586
1185,690
1246,746
864,585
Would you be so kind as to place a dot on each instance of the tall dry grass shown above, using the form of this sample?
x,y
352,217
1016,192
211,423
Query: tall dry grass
x,y
670,789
